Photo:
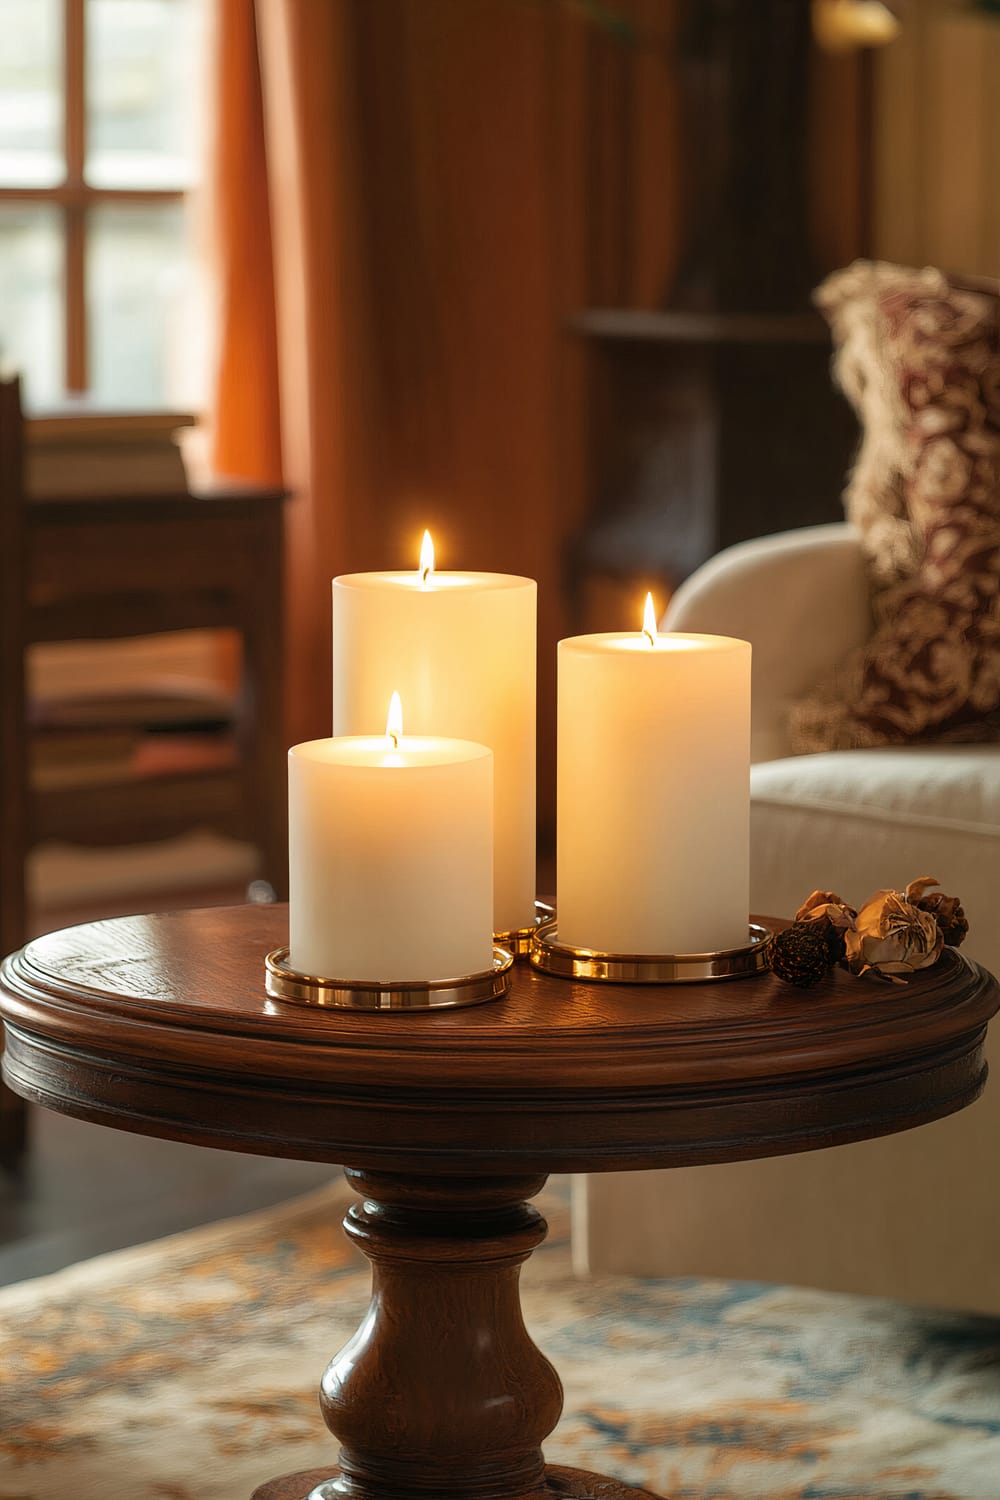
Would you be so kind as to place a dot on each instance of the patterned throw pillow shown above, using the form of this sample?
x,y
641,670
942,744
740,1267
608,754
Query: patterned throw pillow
x,y
918,355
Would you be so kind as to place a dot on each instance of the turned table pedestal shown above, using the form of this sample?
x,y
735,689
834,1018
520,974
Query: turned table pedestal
x,y
448,1123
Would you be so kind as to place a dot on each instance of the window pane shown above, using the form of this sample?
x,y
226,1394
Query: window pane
x,y
31,114
138,271
31,298
144,90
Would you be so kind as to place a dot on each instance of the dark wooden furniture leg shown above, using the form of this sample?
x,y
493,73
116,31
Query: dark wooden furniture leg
x,y
441,1392
13,1127
262,740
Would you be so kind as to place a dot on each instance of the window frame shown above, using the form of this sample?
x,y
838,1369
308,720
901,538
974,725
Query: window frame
x,y
74,197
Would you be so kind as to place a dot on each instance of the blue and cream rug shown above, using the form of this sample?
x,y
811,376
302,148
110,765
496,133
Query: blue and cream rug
x,y
187,1370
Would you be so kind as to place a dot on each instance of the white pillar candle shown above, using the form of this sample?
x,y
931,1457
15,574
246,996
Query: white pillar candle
x,y
653,793
390,858
460,647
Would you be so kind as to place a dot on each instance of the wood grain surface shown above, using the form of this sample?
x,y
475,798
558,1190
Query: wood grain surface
x,y
161,1024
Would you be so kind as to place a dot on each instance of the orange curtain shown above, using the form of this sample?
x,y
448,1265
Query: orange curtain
x,y
246,438
446,183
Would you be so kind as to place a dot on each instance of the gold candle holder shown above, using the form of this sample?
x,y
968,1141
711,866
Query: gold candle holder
x,y
282,982
553,957
518,940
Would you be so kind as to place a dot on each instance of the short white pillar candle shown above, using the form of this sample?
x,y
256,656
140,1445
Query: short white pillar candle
x,y
390,858
653,793
460,648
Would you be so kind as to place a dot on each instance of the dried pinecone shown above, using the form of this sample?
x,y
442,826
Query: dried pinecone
x,y
829,915
946,910
800,956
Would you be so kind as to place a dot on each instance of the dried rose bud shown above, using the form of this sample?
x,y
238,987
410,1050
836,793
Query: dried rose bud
x,y
891,937
822,898
826,914
946,910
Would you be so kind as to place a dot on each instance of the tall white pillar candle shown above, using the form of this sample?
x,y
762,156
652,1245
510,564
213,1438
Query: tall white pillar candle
x,y
390,858
460,647
653,793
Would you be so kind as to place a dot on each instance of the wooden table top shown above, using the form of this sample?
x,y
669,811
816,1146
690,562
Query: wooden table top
x,y
161,1024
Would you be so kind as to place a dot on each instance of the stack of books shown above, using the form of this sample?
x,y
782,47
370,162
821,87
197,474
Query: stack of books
x,y
76,450
97,739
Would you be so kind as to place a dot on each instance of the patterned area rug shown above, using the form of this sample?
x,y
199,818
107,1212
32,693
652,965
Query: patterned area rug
x,y
187,1370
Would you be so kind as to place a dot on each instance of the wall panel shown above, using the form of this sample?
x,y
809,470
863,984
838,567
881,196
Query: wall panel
x,y
936,141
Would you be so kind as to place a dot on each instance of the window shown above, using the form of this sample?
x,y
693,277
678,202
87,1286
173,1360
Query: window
x,y
99,126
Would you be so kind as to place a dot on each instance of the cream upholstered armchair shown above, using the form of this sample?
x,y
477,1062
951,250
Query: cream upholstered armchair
x,y
914,1215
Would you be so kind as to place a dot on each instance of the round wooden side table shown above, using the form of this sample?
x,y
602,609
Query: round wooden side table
x,y
448,1123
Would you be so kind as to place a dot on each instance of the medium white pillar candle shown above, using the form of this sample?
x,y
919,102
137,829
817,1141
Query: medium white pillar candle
x,y
653,793
390,858
460,647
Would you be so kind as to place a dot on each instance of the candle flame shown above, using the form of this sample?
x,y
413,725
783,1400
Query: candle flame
x,y
394,722
649,620
426,559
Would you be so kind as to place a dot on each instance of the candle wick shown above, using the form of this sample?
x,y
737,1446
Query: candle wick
x,y
425,573
649,636
394,737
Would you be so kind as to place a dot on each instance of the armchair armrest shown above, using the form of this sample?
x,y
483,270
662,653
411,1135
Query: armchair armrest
x,y
801,598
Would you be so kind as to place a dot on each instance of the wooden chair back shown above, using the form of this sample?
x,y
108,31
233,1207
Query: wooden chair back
x,y
101,567
13,748
104,567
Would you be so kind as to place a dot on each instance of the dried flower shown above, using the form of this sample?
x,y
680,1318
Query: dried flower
x,y
946,910
821,898
892,937
829,915
800,956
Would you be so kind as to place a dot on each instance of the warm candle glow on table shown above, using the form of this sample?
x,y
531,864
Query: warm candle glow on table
x,y
653,792
460,648
390,856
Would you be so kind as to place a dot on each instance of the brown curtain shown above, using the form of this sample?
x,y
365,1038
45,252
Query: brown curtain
x,y
446,182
